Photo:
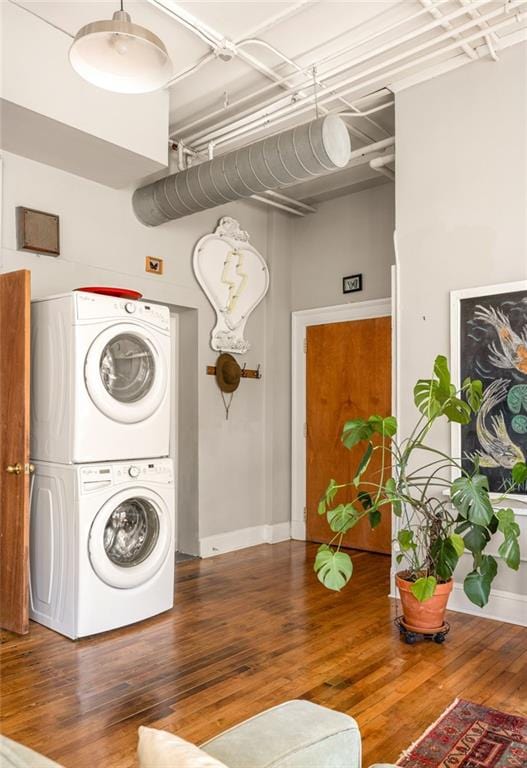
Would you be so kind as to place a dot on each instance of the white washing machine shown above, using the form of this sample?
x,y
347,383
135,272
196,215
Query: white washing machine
x,y
100,374
101,544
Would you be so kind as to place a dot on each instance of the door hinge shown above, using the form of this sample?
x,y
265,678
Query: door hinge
x,y
305,344
305,429
305,514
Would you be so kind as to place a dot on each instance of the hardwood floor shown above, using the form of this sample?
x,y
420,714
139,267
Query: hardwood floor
x,y
249,630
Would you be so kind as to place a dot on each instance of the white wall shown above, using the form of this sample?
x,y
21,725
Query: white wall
x,y
461,213
102,242
50,114
346,235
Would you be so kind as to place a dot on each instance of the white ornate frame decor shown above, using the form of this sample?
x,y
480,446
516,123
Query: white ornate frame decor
x,y
235,279
493,314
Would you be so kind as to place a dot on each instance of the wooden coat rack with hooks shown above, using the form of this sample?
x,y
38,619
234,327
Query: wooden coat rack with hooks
x,y
246,373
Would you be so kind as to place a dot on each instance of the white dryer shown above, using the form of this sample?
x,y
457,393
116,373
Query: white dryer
x,y
101,545
100,375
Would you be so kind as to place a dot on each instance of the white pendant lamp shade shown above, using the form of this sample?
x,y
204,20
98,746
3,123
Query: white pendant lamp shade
x,y
120,56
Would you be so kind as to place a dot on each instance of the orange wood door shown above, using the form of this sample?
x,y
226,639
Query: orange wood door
x,y
349,375
14,450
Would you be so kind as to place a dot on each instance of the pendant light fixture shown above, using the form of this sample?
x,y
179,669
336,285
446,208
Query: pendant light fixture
x,y
120,56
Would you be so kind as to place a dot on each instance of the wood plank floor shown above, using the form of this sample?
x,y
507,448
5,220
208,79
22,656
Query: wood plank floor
x,y
249,630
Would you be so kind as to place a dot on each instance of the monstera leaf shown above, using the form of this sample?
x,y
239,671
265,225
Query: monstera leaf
x,y
470,496
478,582
510,549
445,557
473,389
519,473
426,397
333,568
342,518
356,430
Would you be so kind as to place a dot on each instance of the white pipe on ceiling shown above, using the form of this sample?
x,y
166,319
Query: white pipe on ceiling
x,y
208,35
476,14
275,204
285,113
377,146
342,52
282,15
314,79
436,13
366,57
379,164
286,199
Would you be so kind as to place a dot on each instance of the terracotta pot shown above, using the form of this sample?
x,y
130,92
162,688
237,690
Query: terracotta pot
x,y
427,617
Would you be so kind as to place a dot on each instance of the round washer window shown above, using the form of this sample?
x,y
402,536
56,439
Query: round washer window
x,y
127,368
131,532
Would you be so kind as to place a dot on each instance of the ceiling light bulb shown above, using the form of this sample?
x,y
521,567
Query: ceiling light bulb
x,y
120,56
119,43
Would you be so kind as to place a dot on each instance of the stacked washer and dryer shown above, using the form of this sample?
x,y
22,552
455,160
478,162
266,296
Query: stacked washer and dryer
x,y
102,501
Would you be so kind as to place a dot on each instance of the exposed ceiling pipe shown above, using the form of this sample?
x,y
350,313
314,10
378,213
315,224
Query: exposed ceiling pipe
x,y
379,164
436,13
286,199
298,6
475,14
285,113
301,153
285,13
378,146
395,43
275,204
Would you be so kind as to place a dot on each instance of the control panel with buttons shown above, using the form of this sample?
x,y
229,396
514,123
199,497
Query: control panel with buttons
x,y
92,307
94,478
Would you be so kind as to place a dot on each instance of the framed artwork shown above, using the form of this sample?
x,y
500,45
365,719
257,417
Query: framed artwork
x,y
37,231
489,342
352,283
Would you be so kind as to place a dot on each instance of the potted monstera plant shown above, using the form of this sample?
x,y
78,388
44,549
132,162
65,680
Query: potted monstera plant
x,y
443,504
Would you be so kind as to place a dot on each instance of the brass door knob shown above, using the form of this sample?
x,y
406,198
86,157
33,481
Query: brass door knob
x,y
15,469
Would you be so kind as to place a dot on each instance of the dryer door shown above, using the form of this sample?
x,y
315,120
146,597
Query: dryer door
x,y
126,373
130,538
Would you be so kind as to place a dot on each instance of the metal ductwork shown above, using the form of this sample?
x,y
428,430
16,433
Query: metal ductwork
x,y
298,154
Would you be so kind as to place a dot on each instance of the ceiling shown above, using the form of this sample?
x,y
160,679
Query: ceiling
x,y
326,56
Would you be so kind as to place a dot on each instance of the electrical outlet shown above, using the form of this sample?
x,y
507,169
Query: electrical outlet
x,y
154,265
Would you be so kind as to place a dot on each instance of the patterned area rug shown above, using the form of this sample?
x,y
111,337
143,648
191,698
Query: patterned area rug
x,y
468,735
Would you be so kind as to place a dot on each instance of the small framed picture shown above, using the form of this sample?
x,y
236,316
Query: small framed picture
x,y
352,283
37,231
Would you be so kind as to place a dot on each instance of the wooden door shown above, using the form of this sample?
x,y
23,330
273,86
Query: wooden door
x,y
14,450
349,375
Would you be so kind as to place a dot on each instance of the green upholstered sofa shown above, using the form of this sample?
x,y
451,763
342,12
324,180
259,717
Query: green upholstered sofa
x,y
296,734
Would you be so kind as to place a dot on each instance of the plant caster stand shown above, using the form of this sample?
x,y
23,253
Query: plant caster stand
x,y
411,635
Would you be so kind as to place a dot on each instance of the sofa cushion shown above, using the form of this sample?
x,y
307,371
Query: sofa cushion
x,y
297,734
160,749
14,755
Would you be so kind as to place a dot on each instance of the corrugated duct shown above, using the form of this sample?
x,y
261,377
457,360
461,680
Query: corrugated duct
x,y
298,154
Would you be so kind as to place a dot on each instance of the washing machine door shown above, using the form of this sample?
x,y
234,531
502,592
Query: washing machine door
x,y
126,373
130,538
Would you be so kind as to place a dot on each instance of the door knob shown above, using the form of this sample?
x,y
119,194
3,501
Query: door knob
x,y
17,469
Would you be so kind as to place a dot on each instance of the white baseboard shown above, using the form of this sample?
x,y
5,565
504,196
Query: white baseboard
x,y
277,532
509,607
244,537
502,606
298,530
